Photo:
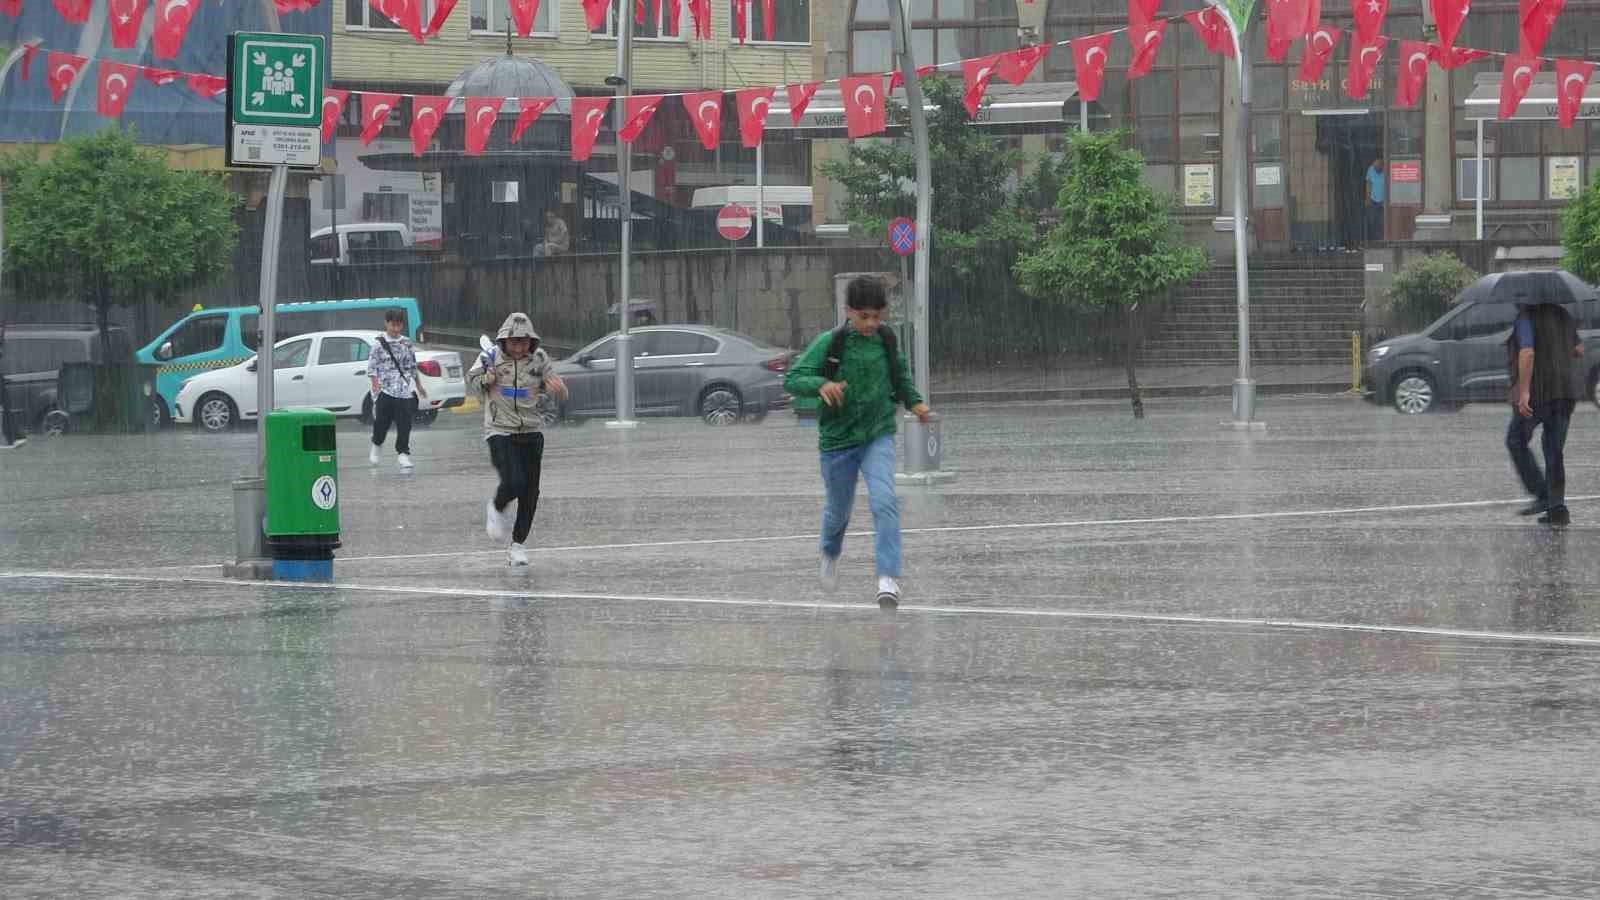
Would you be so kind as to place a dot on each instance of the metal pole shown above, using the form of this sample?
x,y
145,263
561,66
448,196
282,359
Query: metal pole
x,y
761,196
919,140
1244,389
624,361
1083,115
1478,187
269,298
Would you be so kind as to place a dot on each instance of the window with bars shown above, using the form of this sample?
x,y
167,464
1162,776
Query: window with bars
x,y
942,31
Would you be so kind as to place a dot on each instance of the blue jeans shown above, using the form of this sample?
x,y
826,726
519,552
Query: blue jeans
x,y
874,462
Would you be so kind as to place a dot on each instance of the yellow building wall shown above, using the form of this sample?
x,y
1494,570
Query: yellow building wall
x,y
584,60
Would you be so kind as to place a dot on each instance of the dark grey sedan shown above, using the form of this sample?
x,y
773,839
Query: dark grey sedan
x,y
679,370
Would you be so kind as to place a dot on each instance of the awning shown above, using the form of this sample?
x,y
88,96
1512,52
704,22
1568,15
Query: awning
x,y
1034,103
1539,103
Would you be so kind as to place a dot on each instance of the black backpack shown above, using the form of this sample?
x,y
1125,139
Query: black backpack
x,y
830,368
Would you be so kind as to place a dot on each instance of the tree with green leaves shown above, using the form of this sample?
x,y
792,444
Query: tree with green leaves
x,y
109,222
1580,234
1115,247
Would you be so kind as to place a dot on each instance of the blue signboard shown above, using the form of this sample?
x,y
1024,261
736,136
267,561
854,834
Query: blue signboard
x,y
170,114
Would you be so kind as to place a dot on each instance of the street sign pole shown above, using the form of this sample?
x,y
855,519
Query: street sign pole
x,y
624,354
919,140
733,223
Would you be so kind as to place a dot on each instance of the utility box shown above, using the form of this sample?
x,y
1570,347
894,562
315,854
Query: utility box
x,y
302,524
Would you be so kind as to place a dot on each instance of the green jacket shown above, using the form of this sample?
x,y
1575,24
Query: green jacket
x,y
868,411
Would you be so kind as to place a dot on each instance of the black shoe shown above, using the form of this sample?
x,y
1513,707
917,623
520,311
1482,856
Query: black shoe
x,y
1558,517
1534,508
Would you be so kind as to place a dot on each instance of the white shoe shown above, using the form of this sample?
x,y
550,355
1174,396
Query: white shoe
x,y
518,554
888,591
495,522
830,573
405,461
375,455
14,445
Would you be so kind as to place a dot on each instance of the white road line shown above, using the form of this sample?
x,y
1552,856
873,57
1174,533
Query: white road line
x,y
949,529
1514,637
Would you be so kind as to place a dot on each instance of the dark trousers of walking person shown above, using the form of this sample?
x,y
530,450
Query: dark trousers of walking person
x,y
387,409
1374,221
1552,417
517,457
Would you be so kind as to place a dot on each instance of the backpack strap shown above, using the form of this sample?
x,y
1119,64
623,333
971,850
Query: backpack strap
x,y
890,355
830,366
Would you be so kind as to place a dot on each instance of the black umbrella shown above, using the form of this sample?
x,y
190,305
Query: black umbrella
x,y
1529,288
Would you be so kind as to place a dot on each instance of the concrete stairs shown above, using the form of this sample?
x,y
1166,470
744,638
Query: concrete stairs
x,y
1302,310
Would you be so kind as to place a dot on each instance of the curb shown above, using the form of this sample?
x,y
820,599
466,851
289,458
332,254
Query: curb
x,y
1004,395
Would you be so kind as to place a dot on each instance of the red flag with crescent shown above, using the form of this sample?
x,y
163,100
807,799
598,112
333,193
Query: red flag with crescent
x,y
1146,46
753,104
1277,50
1413,73
75,12
1017,65
11,7
1320,45
1448,17
865,111
898,78
441,12
1140,13
333,101
594,13
1369,16
800,97
523,15
426,115
1456,57
588,114
161,77
1089,61
375,109
405,13
1537,18
1288,19
529,110
126,16
976,73
172,23
636,114
207,86
1212,30
64,69
1364,59
116,83
1515,79
705,111
480,115
1572,79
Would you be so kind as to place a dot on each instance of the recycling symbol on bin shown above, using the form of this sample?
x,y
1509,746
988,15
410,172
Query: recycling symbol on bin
x,y
324,493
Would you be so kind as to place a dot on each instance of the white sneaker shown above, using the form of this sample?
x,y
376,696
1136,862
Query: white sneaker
x,y
830,573
375,455
518,554
496,523
405,461
14,445
888,591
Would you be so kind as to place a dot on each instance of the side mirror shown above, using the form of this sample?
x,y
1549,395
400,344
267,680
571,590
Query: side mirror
x,y
165,352
585,360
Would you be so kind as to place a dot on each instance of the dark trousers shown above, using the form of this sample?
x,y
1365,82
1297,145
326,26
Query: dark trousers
x,y
517,457
1553,416
388,409
9,431
1374,221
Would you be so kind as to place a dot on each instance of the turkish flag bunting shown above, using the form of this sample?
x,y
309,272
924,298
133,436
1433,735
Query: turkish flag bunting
x,y
898,78
976,73
1449,16
674,11
1288,19
753,104
588,114
530,110
799,98
1369,17
1538,17
126,17
1089,61
523,14
11,7
426,115
638,12
74,11
705,111
28,51
441,12
405,13
1364,59
655,9
741,18
333,101
1017,65
700,11
1212,30
116,82
1146,45
636,114
594,12
769,19
1140,12
480,115
375,109
172,23
1456,57
1277,50
1572,79
1515,79
161,77
207,86
63,71
1413,73
865,111
1319,49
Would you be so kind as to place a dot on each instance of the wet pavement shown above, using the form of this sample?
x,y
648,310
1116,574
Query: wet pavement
x,y
1154,658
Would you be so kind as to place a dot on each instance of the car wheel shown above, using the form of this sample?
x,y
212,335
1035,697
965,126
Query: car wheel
x,y
1414,393
215,413
158,414
427,417
54,422
720,405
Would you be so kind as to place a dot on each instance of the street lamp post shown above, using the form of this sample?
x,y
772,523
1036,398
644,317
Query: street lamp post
x,y
1244,387
622,81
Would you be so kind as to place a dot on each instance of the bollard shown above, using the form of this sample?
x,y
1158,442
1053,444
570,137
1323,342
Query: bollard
x,y
249,510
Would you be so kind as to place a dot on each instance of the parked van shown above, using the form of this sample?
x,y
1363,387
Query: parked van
x,y
214,338
32,361
358,237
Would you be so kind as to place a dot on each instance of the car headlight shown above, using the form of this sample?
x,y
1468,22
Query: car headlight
x,y
1378,353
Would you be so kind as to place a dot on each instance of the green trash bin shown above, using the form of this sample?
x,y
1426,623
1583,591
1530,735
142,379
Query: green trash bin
x,y
302,493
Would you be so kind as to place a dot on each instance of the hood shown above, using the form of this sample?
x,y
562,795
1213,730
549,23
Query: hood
x,y
516,325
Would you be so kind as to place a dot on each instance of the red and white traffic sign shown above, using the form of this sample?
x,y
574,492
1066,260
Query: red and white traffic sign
x,y
903,236
734,222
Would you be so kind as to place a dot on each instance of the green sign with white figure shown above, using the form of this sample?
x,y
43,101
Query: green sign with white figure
x,y
275,86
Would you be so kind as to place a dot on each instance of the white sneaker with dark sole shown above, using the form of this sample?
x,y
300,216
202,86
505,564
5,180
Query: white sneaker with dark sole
x,y
495,522
405,461
829,576
518,555
375,455
888,592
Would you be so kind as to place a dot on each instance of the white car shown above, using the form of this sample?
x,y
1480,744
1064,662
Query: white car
x,y
325,369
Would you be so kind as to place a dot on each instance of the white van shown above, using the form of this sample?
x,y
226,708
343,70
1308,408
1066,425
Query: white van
x,y
359,236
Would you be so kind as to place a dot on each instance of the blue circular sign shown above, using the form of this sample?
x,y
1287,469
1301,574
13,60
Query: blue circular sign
x,y
903,236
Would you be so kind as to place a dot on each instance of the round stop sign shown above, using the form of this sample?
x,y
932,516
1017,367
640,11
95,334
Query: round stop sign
x,y
733,222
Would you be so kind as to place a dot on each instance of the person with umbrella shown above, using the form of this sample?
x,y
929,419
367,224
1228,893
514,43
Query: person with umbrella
x,y
1546,383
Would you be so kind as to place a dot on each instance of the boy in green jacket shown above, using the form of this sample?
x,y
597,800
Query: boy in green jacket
x,y
858,389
